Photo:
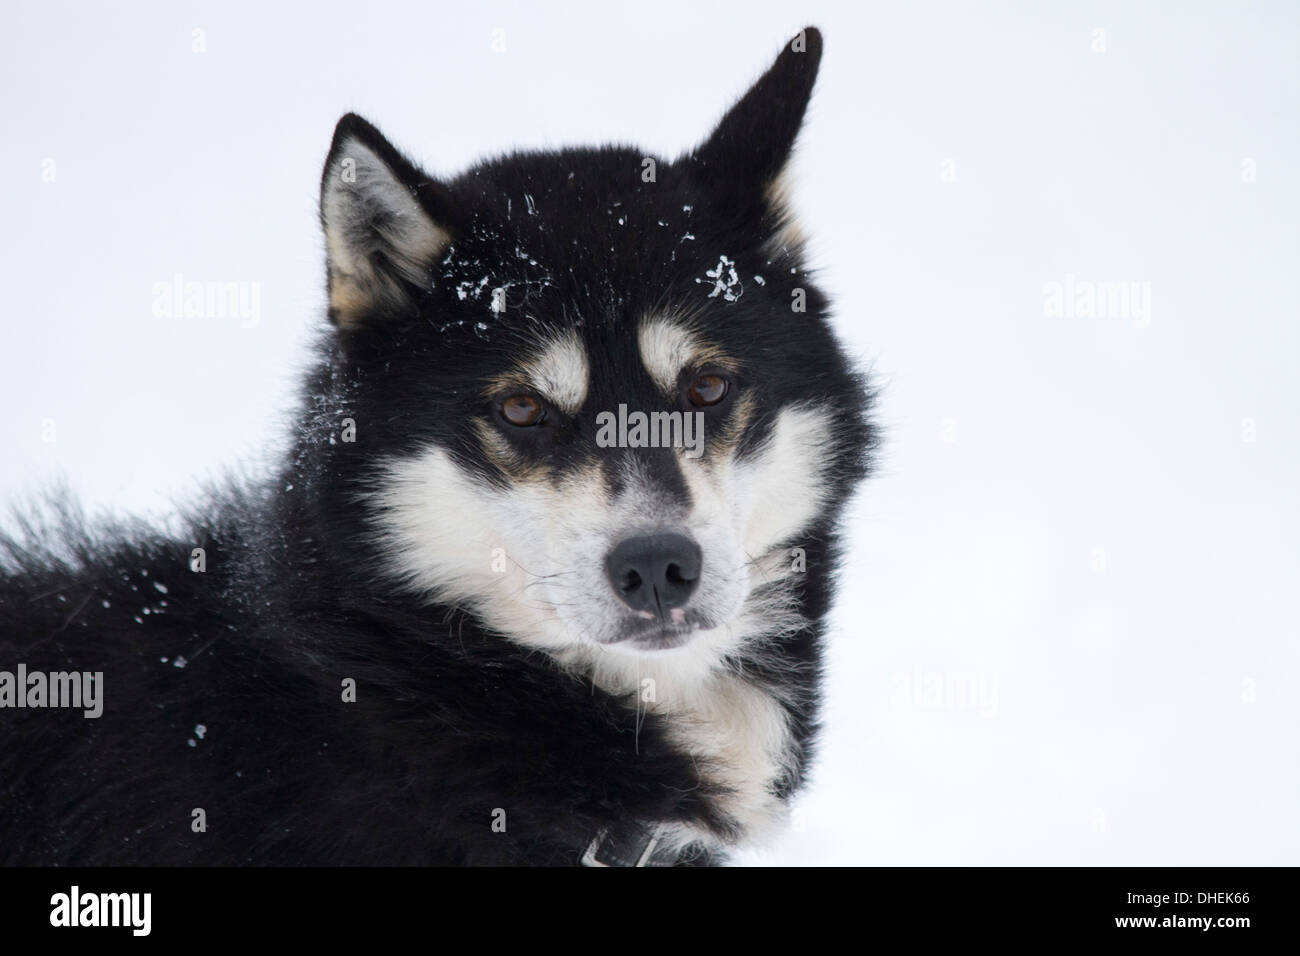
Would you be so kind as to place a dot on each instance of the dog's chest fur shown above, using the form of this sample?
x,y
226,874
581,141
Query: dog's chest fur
x,y
736,733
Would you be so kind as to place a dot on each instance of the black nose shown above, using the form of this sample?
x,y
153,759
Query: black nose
x,y
656,572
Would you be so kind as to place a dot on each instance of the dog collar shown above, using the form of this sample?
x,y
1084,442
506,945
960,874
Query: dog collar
x,y
634,846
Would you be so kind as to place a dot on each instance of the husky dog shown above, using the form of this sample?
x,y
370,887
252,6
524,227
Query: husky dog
x,y
480,615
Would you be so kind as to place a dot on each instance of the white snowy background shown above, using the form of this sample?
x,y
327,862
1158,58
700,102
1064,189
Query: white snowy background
x,y
1092,519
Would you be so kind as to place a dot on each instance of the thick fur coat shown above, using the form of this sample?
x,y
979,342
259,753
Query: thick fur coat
x,y
403,648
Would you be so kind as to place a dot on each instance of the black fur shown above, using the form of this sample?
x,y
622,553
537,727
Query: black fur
x,y
451,722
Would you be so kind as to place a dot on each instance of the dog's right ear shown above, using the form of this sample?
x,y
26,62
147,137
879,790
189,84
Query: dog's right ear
x,y
752,143
386,224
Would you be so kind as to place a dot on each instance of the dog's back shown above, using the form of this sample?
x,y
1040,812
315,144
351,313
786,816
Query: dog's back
x,y
250,715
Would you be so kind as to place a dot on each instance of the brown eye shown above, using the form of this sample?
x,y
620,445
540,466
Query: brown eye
x,y
522,410
707,390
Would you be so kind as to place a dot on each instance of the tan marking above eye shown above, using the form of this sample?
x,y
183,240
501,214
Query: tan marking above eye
x,y
706,390
522,410
555,373
670,348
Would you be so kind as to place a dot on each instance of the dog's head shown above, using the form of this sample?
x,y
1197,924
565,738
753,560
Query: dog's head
x,y
599,399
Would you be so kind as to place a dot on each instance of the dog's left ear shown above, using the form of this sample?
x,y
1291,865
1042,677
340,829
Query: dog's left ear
x,y
387,222
748,151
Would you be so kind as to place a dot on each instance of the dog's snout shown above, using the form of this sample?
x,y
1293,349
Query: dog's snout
x,y
655,573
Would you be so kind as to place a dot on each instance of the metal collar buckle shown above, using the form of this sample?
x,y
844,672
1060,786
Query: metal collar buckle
x,y
592,855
